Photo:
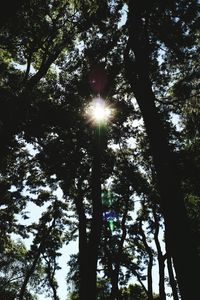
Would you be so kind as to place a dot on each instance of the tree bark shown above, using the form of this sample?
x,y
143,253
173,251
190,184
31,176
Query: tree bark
x,y
96,224
150,264
181,244
115,293
89,245
161,260
172,280
50,276
83,245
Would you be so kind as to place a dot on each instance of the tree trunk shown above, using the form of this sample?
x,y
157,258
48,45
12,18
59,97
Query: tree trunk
x,y
115,292
96,224
172,280
83,251
180,241
114,295
161,261
150,264
31,271
89,246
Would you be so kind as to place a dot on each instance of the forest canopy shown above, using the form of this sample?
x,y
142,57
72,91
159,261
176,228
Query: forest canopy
x,y
100,132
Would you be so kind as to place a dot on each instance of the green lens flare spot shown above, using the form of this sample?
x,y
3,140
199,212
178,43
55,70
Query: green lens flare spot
x,y
111,225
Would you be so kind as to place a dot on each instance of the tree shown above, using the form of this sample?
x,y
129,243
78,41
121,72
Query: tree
x,y
50,50
135,292
13,267
139,78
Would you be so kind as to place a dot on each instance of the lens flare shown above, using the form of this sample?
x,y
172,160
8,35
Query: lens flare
x,y
98,111
111,225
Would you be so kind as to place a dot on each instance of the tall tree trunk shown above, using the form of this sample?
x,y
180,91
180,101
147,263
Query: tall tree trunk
x,y
83,247
51,277
179,237
110,269
89,246
161,260
172,280
96,224
150,264
115,293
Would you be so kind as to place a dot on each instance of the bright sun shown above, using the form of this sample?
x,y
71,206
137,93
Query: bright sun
x,y
98,111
